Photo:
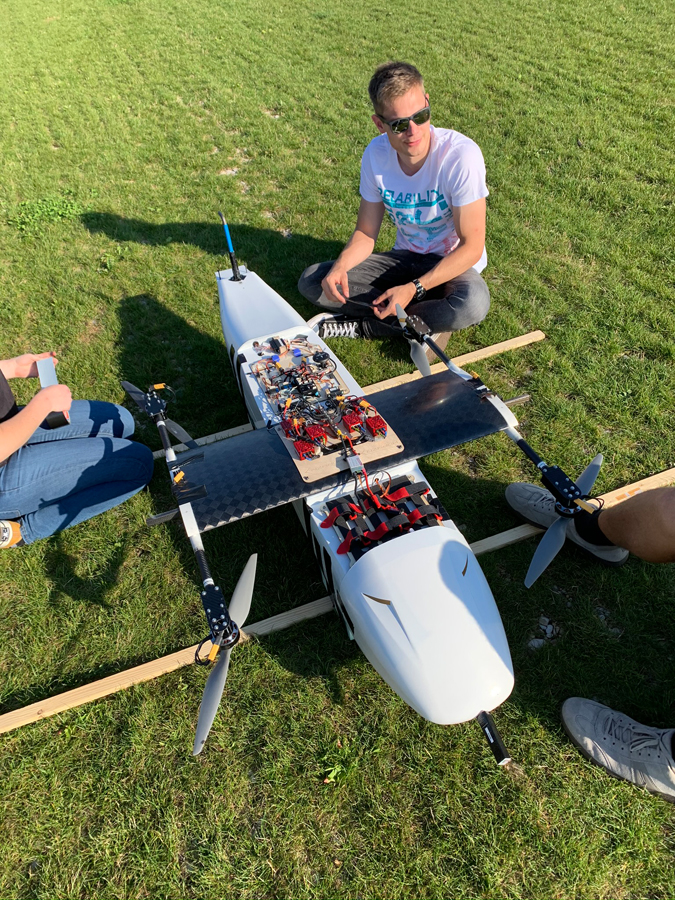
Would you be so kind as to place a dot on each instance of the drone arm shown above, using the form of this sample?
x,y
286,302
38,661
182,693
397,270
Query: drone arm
x,y
568,495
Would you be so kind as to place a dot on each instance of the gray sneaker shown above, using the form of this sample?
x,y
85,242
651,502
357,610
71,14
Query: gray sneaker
x,y
535,505
624,747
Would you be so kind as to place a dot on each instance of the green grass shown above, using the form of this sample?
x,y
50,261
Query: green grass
x,y
124,127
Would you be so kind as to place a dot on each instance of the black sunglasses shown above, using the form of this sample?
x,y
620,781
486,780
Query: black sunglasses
x,y
398,126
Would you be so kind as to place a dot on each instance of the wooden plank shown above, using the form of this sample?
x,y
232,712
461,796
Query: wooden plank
x,y
512,344
661,479
505,539
292,617
466,359
148,671
209,439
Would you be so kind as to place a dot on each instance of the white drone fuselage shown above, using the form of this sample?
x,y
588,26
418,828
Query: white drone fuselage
x,y
418,605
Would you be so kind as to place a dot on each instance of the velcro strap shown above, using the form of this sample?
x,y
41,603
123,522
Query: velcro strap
x,y
346,544
331,517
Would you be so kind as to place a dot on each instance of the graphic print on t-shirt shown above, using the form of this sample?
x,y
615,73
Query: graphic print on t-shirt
x,y
427,216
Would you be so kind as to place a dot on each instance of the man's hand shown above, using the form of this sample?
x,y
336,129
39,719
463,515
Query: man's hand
x,y
336,285
25,366
385,305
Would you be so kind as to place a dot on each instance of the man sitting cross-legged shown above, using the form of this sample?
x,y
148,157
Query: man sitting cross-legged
x,y
431,183
643,525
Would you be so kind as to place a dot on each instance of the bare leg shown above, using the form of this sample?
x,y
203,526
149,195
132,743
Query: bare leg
x,y
643,524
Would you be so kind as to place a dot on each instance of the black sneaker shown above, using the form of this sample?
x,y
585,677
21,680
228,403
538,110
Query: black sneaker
x,y
328,325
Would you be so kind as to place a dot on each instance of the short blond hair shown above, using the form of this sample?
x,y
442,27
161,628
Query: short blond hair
x,y
391,80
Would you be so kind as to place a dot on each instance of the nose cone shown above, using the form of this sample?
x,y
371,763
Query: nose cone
x,y
425,617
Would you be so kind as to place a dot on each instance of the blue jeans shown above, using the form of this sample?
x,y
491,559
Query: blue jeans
x,y
67,475
457,304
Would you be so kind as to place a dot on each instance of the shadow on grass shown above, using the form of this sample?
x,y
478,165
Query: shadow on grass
x,y
278,260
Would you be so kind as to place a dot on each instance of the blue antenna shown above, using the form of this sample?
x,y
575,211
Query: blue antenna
x,y
235,268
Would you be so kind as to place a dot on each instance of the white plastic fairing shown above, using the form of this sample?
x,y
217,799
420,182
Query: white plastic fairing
x,y
425,617
250,309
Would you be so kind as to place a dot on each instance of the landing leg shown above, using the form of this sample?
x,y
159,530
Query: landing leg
x,y
499,751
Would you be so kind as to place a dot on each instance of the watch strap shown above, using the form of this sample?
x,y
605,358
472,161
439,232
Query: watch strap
x,y
420,291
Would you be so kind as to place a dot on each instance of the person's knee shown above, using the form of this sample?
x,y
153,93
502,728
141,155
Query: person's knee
x,y
470,302
139,464
309,283
146,461
126,422
479,300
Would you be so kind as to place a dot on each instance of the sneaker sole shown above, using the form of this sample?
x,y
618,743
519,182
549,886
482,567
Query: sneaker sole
x,y
607,771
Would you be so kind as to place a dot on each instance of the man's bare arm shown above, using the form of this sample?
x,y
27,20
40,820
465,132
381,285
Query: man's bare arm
x,y
359,247
470,227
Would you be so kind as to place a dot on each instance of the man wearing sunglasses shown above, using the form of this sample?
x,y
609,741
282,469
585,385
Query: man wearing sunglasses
x,y
431,183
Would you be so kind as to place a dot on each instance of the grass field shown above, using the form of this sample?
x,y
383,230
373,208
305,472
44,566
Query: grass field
x,y
124,126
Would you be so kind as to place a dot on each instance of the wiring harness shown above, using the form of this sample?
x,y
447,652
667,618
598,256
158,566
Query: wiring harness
x,y
300,381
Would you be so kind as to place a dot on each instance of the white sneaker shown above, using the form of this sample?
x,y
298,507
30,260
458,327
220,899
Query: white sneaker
x,y
537,506
316,321
627,749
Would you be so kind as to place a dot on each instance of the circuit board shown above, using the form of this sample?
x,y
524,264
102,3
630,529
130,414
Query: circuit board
x,y
321,425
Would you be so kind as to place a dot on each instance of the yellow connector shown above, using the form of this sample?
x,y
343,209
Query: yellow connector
x,y
587,507
214,651
158,387
179,476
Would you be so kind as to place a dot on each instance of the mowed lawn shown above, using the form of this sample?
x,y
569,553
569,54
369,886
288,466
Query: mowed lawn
x,y
125,125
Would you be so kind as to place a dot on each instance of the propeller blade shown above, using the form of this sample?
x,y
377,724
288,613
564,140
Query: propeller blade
x,y
419,357
213,691
136,394
549,547
400,315
587,478
240,604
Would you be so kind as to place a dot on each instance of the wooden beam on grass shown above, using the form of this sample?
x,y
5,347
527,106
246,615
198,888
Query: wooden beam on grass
x,y
209,439
43,709
466,359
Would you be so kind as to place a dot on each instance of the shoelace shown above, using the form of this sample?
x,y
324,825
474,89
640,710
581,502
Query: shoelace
x,y
339,329
635,739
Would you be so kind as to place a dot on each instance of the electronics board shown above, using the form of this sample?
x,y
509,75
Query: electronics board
x,y
325,428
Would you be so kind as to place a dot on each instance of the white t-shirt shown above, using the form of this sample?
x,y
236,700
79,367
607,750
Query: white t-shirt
x,y
419,205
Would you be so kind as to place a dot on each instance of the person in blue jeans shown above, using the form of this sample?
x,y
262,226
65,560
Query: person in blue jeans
x,y
51,479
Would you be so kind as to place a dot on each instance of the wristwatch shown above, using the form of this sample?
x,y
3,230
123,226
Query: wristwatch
x,y
420,292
